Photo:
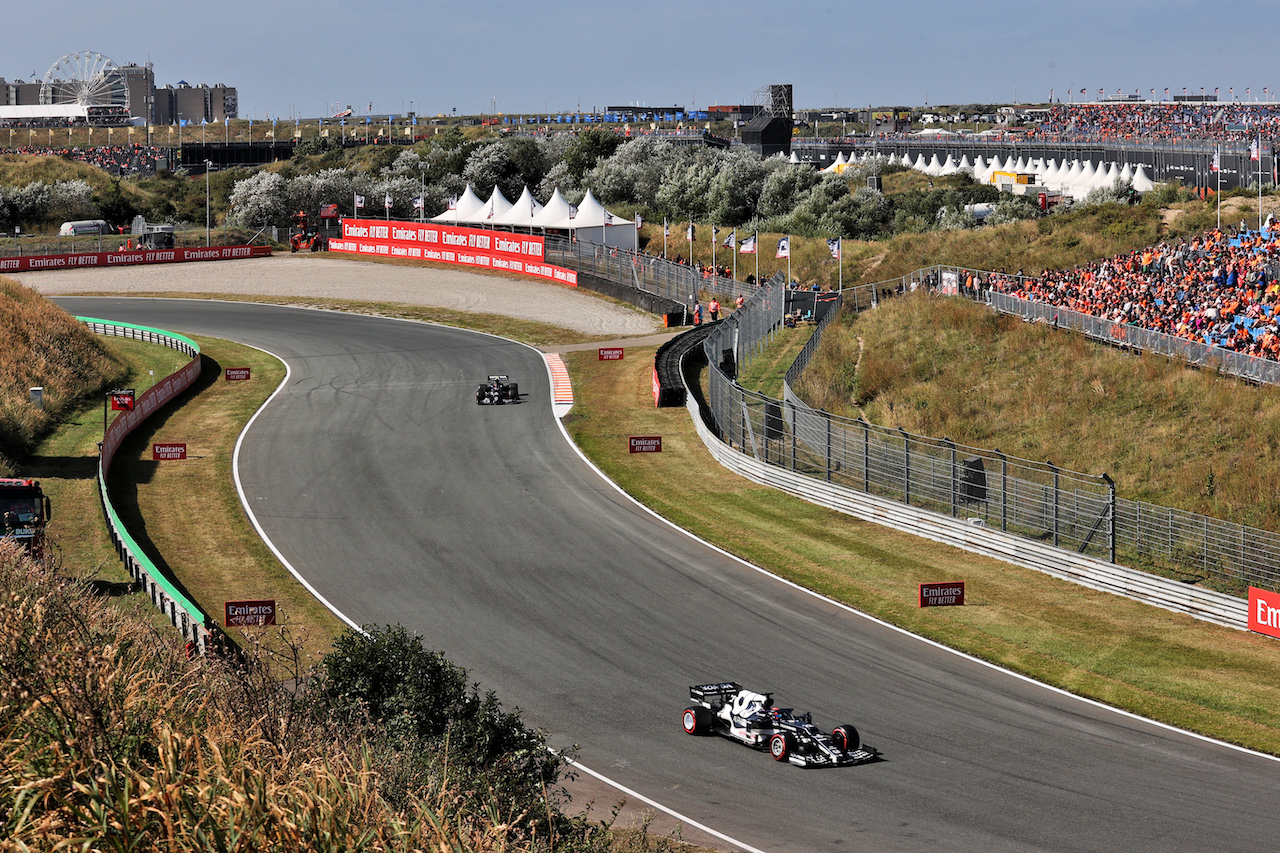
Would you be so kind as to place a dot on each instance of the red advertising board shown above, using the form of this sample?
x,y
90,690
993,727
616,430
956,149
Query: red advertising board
x,y
168,451
237,374
129,258
609,353
241,613
1264,612
942,594
450,244
645,443
122,401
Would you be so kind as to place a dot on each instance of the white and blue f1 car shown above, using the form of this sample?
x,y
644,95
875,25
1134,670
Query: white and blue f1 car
x,y
750,718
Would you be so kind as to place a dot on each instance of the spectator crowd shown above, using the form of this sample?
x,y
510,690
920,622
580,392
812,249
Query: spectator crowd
x,y
1220,289
119,160
1230,121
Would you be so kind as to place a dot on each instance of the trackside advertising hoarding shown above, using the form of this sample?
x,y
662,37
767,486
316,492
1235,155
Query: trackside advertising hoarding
x,y
449,244
1264,612
130,258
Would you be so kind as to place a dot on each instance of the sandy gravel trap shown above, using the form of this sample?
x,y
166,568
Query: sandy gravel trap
x,y
320,277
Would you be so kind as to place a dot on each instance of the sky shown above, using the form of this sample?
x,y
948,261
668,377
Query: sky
x,y
510,56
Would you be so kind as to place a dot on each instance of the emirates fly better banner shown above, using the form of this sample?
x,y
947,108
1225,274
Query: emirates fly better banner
x,y
450,244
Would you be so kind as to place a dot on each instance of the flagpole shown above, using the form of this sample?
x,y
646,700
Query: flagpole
x,y
755,244
840,268
789,245
664,237
714,229
1217,158
1259,183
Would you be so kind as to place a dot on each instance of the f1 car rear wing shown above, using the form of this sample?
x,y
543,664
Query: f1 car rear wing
x,y
721,693
499,377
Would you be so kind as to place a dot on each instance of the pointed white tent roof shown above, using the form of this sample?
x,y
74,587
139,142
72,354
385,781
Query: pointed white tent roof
x,y
522,212
934,167
496,206
950,167
1126,174
555,214
840,160
1072,177
1087,175
592,214
794,159
964,163
981,171
920,165
997,165
1141,182
1111,176
465,210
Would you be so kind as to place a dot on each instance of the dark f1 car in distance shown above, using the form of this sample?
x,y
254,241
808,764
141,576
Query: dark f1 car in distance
x,y
750,718
497,391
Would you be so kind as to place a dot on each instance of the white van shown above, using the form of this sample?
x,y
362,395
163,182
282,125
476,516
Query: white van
x,y
84,226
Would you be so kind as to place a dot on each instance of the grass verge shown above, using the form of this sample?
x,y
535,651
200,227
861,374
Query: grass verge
x,y
1205,678
185,514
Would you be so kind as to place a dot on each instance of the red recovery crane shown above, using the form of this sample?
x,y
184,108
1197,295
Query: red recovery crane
x,y
24,512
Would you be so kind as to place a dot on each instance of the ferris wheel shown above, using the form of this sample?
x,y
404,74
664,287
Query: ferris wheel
x,y
85,78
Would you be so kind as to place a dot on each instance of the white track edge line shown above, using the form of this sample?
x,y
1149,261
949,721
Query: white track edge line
x,y
841,605
657,805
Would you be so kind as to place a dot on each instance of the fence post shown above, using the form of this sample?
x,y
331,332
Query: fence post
x,y
906,466
1054,469
1111,511
1004,490
952,477
827,420
866,458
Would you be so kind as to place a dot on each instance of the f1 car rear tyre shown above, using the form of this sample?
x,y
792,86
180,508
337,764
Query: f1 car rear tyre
x,y
697,720
514,394
846,737
781,745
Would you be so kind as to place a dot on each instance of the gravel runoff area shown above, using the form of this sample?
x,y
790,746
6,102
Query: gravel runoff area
x,y
320,277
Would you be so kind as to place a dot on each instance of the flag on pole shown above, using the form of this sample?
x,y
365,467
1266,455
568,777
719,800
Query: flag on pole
x,y
359,202
573,211
639,222
748,246
1217,161
833,246
666,229
731,239
690,232
417,202
387,202
784,248
1254,153
453,202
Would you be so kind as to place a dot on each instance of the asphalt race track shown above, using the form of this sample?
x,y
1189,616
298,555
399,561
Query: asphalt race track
x,y
402,501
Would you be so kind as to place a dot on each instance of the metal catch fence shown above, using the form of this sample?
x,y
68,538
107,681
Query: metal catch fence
x,y
1036,500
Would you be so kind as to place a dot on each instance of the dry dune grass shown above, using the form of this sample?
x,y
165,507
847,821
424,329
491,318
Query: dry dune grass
x,y
41,345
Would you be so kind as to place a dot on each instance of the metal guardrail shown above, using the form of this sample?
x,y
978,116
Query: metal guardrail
x,y
1077,516
1195,601
678,282
184,614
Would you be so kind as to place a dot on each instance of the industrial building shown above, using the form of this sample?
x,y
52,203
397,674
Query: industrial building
x,y
88,87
